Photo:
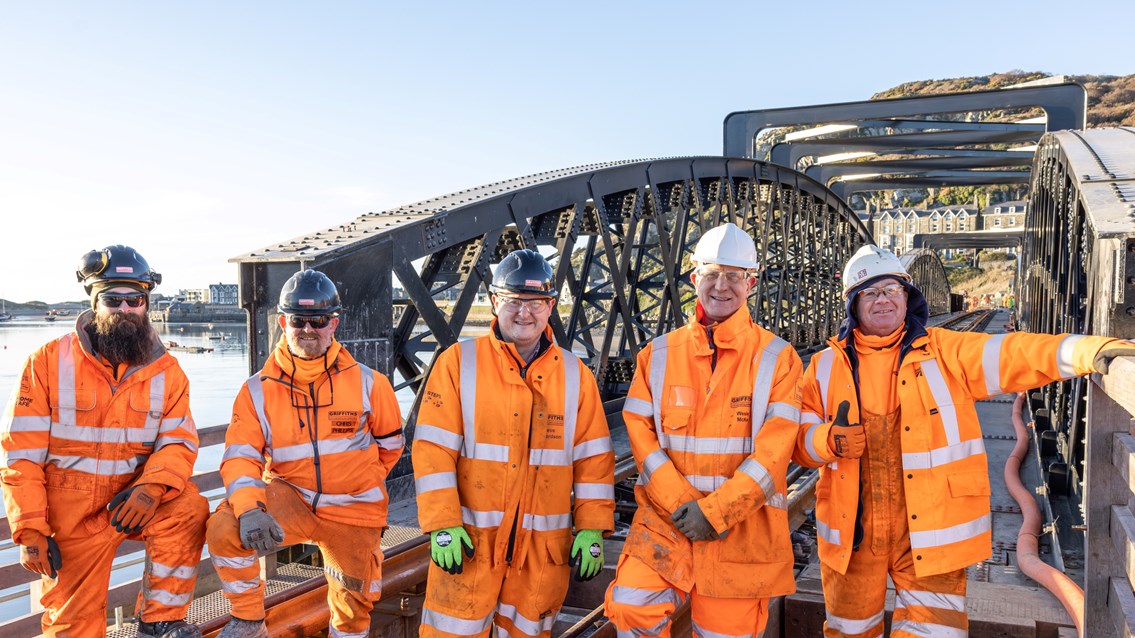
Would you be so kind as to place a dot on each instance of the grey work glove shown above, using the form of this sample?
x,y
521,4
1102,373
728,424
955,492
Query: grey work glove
x,y
690,521
1103,360
259,531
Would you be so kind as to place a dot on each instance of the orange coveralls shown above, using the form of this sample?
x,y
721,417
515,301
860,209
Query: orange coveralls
x,y
923,478
73,437
312,446
712,416
500,448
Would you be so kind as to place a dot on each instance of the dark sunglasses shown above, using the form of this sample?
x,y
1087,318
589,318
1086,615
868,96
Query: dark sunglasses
x,y
133,299
317,321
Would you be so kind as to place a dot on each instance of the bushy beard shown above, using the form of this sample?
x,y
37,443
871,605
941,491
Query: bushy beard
x,y
122,337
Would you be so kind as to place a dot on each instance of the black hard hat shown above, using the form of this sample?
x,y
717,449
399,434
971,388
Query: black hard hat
x,y
309,292
524,271
113,266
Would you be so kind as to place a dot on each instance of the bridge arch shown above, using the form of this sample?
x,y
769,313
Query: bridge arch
x,y
925,267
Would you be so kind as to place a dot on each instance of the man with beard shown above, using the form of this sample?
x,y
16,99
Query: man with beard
x,y
312,437
98,445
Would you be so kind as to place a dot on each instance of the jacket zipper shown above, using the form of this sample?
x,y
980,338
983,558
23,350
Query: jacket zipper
x,y
313,433
516,519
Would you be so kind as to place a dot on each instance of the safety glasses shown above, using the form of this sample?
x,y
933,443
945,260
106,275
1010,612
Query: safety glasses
x,y
892,291
514,304
132,299
315,321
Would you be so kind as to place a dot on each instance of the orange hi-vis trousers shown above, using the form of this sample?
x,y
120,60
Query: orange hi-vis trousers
x,y
640,601
352,560
929,606
76,600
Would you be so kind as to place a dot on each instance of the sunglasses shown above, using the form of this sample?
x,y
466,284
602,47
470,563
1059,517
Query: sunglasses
x,y
316,321
133,299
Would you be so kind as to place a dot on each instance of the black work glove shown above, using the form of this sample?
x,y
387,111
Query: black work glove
x,y
1103,360
846,440
40,554
134,507
690,520
259,531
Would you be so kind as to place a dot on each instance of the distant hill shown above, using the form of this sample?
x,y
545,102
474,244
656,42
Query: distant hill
x,y
1111,98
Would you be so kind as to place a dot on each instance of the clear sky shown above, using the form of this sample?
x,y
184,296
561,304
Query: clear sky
x,y
197,131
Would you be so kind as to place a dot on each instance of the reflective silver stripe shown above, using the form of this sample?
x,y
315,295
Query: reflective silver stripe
x,y
829,534
653,461
101,434
389,442
165,571
762,383
66,379
810,417
544,456
702,632
242,482
810,444
594,447
157,406
438,436
1064,360
361,440
170,425
658,384
761,475
335,633
373,495
256,391
639,407
932,599
705,483
36,455
851,626
169,599
991,364
243,451
30,424
778,500
479,518
711,445
571,402
438,481
928,629
594,490
824,362
240,586
101,467
527,625
784,411
367,379
490,452
942,455
941,393
459,626
948,535
234,562
468,390
546,523
642,597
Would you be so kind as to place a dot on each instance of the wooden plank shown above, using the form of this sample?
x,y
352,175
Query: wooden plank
x,y
1122,608
1119,383
1123,533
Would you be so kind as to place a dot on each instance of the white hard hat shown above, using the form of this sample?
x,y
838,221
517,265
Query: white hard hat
x,y
870,262
727,245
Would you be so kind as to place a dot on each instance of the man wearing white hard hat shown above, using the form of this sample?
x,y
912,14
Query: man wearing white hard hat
x,y
712,415
889,417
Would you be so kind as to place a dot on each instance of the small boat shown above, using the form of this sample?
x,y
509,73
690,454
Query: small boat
x,y
177,347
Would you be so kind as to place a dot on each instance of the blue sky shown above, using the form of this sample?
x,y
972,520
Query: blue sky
x,y
197,131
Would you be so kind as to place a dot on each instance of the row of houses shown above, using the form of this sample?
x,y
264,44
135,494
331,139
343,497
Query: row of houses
x,y
219,294
895,228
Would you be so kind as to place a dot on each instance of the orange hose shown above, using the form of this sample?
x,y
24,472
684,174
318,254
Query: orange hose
x,y
1028,559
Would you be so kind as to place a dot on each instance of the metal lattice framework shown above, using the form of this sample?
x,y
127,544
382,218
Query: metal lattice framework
x,y
925,267
618,235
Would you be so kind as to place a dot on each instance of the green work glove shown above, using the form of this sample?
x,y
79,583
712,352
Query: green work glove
x,y
587,552
446,545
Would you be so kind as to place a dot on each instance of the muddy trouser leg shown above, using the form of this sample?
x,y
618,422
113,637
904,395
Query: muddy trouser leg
x,y
640,601
463,605
728,616
352,562
173,549
531,596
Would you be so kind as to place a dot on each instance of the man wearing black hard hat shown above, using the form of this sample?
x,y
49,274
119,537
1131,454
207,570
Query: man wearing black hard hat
x,y
510,427
325,430
98,446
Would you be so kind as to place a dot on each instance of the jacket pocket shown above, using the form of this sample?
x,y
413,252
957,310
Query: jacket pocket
x,y
676,421
969,484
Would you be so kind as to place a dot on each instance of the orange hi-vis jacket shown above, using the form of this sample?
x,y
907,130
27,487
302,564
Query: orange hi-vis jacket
x,y
500,448
70,418
333,439
940,376
712,416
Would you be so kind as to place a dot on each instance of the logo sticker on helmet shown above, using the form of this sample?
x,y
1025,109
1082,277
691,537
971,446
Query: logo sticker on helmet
x,y
123,269
306,302
533,283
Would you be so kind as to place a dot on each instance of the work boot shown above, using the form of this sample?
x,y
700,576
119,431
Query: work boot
x,y
168,629
238,628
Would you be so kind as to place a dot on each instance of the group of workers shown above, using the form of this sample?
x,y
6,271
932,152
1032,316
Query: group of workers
x,y
513,462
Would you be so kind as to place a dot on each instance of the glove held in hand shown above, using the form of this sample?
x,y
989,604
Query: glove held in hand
x,y
260,531
446,546
587,553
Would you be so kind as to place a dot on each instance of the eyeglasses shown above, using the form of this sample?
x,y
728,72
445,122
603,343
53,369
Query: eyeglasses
x,y
132,299
318,322
731,276
515,303
892,291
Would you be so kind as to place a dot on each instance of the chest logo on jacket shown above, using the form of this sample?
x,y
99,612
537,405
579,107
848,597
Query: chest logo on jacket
x,y
343,421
